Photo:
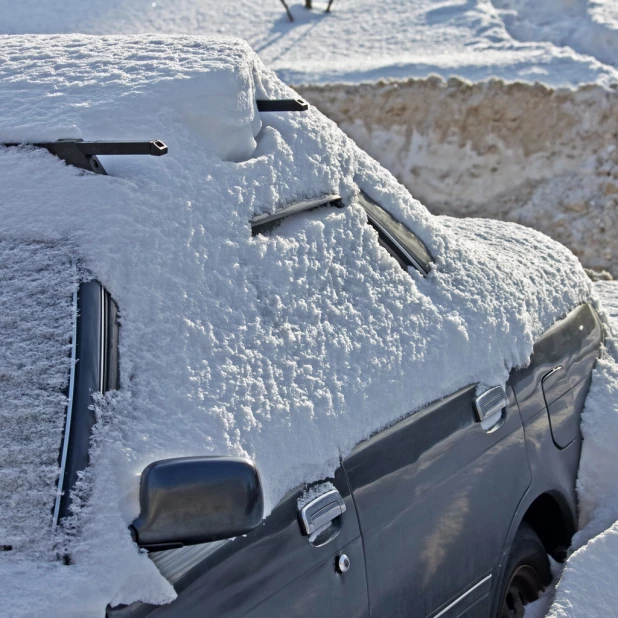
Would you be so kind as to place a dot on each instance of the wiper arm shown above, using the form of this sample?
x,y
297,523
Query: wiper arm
x,y
282,105
83,154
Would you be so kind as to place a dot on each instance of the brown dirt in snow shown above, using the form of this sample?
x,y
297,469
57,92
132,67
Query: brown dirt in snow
x,y
543,157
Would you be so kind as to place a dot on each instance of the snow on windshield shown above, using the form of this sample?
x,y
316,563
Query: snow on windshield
x,y
37,282
288,348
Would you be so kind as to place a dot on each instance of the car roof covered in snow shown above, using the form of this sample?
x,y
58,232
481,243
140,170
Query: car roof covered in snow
x,y
289,347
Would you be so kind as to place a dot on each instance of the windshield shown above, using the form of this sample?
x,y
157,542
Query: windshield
x,y
37,282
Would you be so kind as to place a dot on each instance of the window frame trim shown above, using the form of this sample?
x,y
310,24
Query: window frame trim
x,y
393,241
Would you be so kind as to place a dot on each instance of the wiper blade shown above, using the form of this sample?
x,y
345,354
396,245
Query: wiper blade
x,y
83,154
262,223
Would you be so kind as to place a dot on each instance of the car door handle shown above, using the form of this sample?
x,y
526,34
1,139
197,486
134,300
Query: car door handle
x,y
490,408
316,515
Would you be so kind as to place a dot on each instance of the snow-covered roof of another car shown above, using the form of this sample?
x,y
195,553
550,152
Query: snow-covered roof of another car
x,y
288,348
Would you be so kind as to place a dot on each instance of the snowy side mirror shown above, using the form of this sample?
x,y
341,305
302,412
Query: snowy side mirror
x,y
192,500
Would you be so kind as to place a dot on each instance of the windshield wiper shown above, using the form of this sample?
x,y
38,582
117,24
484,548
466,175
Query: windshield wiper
x,y
83,154
264,223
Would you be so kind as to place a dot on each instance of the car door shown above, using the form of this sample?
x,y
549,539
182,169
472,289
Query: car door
x,y
436,492
435,495
275,570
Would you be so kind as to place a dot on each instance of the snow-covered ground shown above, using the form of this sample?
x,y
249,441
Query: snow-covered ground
x,y
557,42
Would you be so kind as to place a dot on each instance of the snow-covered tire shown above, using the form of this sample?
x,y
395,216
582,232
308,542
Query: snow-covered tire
x,y
527,573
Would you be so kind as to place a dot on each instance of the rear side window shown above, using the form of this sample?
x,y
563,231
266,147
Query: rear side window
x,y
396,238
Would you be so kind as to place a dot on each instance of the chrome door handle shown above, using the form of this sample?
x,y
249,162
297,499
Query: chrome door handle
x,y
320,512
490,408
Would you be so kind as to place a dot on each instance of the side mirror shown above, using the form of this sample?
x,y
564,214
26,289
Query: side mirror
x,y
192,500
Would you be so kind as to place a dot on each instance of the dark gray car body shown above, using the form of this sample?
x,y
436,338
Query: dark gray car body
x,y
433,503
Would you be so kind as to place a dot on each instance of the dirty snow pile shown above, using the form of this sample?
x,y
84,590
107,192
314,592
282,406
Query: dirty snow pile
x,y
288,348
558,42
587,585
531,154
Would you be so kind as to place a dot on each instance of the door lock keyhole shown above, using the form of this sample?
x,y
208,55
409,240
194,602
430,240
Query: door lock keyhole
x,y
342,563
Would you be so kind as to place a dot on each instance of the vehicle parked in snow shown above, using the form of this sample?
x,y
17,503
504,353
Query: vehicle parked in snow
x,y
282,316
450,511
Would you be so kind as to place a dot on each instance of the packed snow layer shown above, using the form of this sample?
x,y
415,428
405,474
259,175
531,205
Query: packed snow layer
x,y
587,585
555,41
287,348
36,318
539,156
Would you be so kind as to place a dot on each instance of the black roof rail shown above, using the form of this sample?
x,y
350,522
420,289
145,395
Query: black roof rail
x,y
83,154
265,222
282,105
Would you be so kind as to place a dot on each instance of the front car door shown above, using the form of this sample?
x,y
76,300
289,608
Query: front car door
x,y
273,571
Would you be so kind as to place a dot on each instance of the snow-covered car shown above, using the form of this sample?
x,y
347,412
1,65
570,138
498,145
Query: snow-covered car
x,y
255,377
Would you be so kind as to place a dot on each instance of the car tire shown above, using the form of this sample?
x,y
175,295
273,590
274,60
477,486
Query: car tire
x,y
527,573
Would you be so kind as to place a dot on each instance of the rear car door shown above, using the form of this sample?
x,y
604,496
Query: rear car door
x,y
551,392
275,570
435,495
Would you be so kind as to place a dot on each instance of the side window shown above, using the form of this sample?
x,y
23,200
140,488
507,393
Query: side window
x,y
396,238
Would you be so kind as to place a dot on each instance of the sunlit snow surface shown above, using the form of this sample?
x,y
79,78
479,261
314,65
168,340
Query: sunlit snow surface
x,y
288,348
555,41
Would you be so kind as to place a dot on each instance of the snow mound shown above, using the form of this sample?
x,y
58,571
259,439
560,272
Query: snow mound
x,y
588,583
287,348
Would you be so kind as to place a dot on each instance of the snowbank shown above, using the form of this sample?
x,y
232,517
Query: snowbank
x,y
588,583
539,156
362,40
288,348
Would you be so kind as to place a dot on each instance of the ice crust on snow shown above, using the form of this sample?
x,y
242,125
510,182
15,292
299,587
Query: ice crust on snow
x,y
287,348
314,492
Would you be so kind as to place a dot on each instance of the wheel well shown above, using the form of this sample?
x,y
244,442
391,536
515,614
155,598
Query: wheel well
x,y
553,526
